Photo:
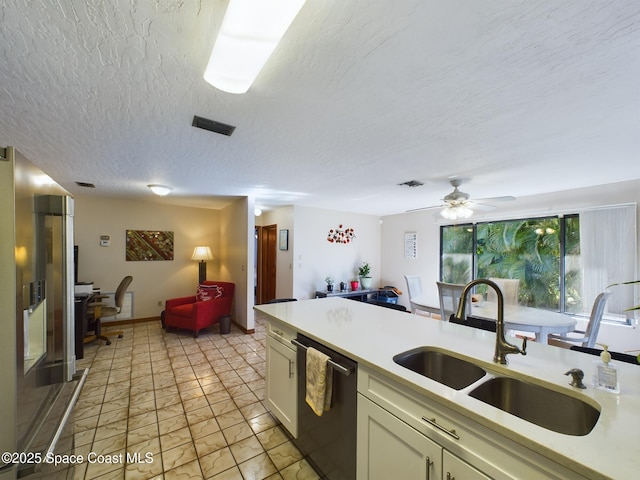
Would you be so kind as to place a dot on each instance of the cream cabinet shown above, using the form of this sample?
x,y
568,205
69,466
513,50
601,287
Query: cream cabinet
x,y
453,468
390,448
281,377
405,434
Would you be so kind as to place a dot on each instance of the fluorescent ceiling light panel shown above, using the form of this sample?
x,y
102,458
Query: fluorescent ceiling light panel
x,y
161,190
250,32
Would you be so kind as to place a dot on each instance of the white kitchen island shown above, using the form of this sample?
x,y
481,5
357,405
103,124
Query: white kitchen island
x,y
491,440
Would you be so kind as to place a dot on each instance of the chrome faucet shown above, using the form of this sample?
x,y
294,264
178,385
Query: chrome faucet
x,y
503,348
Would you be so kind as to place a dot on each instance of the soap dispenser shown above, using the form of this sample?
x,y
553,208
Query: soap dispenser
x,y
606,374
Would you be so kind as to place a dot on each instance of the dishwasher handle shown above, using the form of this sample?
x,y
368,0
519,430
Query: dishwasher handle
x,y
336,366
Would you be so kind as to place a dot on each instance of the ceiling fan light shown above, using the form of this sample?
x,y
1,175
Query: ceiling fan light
x,y
448,213
250,32
464,212
454,212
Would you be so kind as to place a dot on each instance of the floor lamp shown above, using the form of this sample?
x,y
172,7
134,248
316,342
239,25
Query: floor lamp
x,y
202,254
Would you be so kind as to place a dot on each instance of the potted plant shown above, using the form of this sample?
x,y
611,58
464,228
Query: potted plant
x,y
363,272
329,281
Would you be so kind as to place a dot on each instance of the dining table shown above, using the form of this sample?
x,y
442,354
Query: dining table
x,y
527,319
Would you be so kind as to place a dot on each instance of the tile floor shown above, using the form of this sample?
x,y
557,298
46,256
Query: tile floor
x,y
191,406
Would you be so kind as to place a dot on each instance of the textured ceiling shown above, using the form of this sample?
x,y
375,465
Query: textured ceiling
x,y
515,97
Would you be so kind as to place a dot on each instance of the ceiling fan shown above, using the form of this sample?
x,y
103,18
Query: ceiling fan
x,y
458,205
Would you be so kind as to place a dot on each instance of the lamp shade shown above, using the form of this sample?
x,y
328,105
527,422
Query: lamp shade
x,y
250,32
202,254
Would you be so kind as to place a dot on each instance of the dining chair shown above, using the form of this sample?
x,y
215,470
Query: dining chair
x,y
509,288
414,287
588,337
449,294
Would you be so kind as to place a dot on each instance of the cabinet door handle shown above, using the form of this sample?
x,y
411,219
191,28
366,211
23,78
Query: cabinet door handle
x,y
290,368
449,477
432,421
429,463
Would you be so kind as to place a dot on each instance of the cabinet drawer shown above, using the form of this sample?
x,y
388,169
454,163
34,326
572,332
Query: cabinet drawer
x,y
281,333
489,451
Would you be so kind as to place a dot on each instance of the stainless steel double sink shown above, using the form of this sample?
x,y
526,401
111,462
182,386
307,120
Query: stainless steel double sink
x,y
538,404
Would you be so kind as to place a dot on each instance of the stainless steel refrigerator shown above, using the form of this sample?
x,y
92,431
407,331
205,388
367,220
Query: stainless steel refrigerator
x,y
38,380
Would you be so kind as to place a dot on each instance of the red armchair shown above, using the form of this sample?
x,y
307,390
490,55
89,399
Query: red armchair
x,y
187,312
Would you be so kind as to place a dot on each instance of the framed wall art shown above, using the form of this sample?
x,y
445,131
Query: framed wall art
x,y
283,243
149,245
410,245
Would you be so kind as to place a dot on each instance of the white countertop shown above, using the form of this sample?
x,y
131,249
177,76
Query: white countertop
x,y
372,335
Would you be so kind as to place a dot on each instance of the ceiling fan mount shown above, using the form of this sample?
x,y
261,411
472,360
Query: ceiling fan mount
x,y
456,197
458,204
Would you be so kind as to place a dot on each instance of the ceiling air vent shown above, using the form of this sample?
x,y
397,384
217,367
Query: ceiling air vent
x,y
411,183
85,185
213,126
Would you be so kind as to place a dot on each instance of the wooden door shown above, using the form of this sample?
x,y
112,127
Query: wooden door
x,y
267,249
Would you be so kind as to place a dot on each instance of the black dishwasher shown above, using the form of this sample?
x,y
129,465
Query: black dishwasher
x,y
328,442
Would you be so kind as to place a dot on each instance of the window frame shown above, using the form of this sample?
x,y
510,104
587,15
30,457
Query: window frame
x,y
562,219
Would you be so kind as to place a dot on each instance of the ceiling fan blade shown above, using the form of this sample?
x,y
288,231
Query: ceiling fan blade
x,y
481,206
506,198
424,208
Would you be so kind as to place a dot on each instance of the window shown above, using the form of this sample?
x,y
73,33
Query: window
x,y
457,254
562,262
528,250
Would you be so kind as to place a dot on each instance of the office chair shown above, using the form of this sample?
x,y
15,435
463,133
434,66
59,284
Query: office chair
x,y
99,310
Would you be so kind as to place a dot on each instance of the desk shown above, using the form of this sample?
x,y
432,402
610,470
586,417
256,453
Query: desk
x,y
527,319
361,295
81,302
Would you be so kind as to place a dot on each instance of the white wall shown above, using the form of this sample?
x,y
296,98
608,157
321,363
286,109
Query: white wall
x,y
314,258
394,263
237,259
427,226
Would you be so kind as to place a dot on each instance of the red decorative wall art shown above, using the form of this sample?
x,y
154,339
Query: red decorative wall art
x,y
341,235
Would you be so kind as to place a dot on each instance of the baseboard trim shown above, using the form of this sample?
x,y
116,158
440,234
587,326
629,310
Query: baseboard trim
x,y
131,321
